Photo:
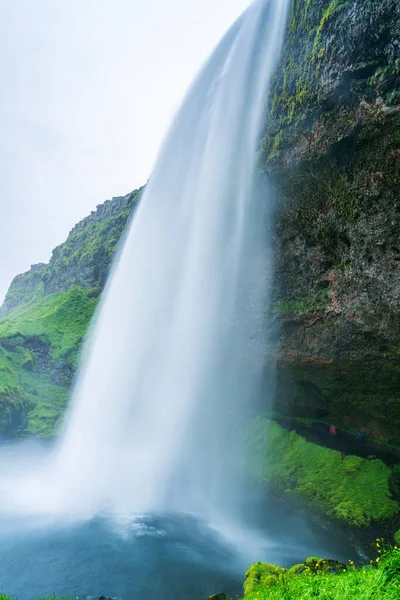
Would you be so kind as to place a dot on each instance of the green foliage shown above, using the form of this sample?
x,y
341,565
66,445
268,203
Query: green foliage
x,y
377,581
394,481
59,320
30,402
349,489
331,9
260,576
26,287
292,306
83,259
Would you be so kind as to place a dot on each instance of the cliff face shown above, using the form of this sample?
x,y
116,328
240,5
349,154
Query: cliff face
x,y
45,317
332,149
83,259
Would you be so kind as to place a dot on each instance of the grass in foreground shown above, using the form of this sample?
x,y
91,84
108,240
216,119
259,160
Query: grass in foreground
x,y
377,581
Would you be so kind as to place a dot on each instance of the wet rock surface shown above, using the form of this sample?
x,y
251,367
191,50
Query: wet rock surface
x,y
332,150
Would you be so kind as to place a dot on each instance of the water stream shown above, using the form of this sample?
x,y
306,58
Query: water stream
x,y
142,494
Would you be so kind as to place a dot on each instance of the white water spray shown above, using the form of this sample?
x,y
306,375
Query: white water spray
x,y
149,423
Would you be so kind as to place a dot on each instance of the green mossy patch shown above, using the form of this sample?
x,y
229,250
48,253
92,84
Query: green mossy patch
x,y
261,575
33,396
30,403
349,489
59,320
84,259
379,580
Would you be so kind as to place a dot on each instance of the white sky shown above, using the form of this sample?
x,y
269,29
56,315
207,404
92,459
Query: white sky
x,y
88,89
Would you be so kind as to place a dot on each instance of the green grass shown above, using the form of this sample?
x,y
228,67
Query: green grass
x,y
350,489
30,402
60,320
377,581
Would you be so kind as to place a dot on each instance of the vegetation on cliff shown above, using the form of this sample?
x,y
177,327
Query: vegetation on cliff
x,y
39,345
45,317
350,489
84,259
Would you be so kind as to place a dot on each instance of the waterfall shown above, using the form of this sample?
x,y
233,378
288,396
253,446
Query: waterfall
x,y
175,352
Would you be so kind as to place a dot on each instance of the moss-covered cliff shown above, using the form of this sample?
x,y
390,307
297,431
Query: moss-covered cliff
x,y
45,317
332,149
84,259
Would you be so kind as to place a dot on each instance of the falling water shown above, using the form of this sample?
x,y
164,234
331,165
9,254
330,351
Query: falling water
x,y
176,347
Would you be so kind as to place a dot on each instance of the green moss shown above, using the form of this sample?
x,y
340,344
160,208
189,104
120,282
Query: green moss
x,y
379,580
394,482
59,320
334,7
349,489
260,576
30,401
294,307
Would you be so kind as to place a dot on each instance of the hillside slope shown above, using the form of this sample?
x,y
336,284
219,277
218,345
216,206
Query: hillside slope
x,y
45,317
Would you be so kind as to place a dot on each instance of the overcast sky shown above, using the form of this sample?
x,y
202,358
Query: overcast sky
x,y
88,89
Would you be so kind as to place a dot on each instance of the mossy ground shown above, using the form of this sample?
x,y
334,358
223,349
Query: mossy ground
x,y
31,401
349,489
377,581
59,320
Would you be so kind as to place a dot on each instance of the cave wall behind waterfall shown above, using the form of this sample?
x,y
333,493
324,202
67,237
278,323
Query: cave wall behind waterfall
x,y
332,148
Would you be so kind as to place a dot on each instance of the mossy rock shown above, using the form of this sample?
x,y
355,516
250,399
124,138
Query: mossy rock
x,y
352,490
326,566
397,537
296,569
28,361
260,576
394,482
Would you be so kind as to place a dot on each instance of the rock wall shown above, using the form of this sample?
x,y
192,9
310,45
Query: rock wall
x,y
332,149
83,259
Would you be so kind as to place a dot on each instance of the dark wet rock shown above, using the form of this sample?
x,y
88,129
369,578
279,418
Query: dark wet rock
x,y
332,150
218,597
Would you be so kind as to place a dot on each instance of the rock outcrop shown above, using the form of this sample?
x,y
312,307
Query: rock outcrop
x,y
83,259
332,149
